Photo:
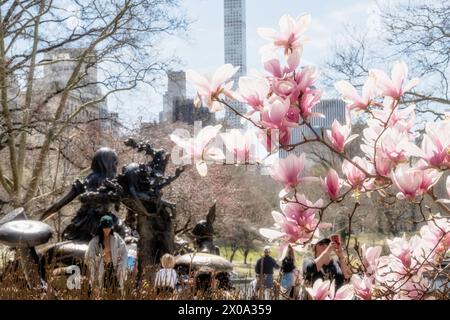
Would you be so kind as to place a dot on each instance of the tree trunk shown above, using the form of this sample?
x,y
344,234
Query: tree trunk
x,y
246,252
233,253
156,238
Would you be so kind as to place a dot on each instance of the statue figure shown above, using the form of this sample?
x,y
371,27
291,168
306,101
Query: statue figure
x,y
203,233
97,193
148,212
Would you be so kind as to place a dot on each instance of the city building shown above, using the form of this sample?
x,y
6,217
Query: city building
x,y
58,67
176,107
235,51
176,91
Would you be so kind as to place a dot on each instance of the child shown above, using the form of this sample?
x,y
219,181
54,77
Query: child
x,y
166,278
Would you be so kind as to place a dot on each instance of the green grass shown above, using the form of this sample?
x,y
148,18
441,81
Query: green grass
x,y
247,270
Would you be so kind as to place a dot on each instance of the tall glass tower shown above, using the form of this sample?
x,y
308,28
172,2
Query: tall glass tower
x,y
235,51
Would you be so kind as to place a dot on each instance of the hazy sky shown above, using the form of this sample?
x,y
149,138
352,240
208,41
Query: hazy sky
x,y
203,49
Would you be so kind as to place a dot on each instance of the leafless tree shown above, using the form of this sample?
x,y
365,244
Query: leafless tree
x,y
416,31
116,45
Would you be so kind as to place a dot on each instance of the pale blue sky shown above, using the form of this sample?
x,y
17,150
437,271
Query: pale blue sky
x,y
203,50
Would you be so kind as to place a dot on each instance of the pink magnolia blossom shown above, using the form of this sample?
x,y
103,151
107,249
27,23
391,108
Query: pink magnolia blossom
x,y
436,144
397,145
403,270
370,256
403,282
363,287
319,290
413,182
351,97
407,180
200,149
408,255
285,88
300,209
306,78
253,92
339,135
394,86
436,234
272,138
272,64
276,123
392,146
332,184
384,165
293,114
298,223
346,292
413,289
324,290
274,113
354,176
288,171
402,119
290,37
309,100
286,229
240,146
300,213
210,88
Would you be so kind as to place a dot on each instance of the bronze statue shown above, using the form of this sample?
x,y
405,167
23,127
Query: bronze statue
x,y
203,233
206,262
97,195
148,212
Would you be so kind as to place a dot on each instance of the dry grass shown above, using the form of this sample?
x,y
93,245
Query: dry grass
x,y
13,286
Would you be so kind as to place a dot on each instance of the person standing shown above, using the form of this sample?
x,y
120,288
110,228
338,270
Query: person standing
x,y
325,266
287,270
264,269
106,258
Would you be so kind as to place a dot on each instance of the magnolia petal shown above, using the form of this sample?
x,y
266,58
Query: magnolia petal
x,y
293,60
411,84
346,292
283,193
347,90
223,74
270,233
198,80
399,73
267,33
277,217
304,22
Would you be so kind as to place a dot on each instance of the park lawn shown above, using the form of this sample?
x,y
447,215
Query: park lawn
x,y
247,270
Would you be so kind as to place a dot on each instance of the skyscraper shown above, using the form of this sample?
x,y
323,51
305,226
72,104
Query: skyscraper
x,y
177,107
176,89
235,50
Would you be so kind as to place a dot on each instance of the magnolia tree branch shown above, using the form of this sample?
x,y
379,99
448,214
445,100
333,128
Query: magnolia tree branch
x,y
350,217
